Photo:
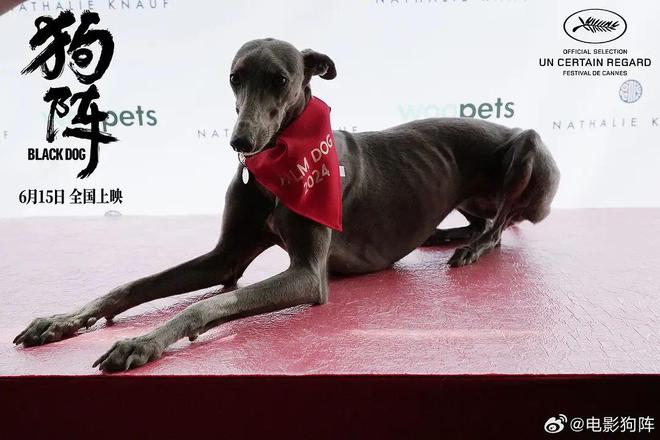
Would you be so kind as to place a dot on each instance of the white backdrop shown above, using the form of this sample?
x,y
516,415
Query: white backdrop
x,y
396,61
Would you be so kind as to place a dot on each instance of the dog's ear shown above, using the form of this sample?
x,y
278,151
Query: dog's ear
x,y
318,64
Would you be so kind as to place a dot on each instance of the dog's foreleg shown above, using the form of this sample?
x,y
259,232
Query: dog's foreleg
x,y
293,287
305,282
213,268
244,237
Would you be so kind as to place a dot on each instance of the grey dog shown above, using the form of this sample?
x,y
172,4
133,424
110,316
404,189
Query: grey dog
x,y
399,185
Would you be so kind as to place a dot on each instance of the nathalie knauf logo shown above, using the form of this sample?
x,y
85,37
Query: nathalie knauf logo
x,y
595,26
55,6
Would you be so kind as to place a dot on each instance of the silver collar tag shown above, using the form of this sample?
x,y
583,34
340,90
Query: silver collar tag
x,y
245,175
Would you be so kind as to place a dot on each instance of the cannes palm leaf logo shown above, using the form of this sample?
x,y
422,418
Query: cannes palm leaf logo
x,y
593,25
598,26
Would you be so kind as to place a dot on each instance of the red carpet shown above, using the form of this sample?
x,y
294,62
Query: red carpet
x,y
574,295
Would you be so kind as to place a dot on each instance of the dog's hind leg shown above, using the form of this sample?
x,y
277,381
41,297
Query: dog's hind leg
x,y
440,237
519,162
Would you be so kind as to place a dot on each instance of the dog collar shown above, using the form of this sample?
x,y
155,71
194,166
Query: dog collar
x,y
302,169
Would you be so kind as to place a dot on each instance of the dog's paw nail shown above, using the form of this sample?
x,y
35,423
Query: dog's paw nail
x,y
193,336
44,337
128,354
462,257
90,322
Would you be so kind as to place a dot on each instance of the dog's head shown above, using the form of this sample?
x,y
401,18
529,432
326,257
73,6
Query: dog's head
x,y
270,79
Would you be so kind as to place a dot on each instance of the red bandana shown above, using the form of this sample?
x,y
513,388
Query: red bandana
x,y
302,169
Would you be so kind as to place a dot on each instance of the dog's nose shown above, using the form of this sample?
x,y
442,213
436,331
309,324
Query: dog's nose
x,y
241,144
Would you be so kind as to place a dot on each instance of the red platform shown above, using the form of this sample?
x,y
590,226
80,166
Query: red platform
x,y
577,294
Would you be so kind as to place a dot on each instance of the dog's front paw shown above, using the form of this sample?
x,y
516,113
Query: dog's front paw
x,y
463,256
129,353
54,328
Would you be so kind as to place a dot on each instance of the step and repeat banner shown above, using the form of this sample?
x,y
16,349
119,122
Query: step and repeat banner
x,y
582,73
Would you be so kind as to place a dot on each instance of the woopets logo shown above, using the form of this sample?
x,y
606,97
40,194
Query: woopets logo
x,y
130,118
595,26
497,109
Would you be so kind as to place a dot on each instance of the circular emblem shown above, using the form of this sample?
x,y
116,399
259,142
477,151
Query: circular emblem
x,y
630,91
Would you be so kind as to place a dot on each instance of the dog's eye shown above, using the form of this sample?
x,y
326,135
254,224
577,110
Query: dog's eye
x,y
280,80
234,79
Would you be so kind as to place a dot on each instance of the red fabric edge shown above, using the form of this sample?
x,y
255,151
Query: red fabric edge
x,y
416,406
